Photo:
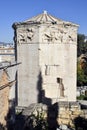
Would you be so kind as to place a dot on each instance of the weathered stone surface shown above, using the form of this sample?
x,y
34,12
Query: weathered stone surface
x,y
4,96
46,46
65,116
7,85
34,108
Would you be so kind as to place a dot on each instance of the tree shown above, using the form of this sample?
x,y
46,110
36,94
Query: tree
x,y
81,74
82,63
81,44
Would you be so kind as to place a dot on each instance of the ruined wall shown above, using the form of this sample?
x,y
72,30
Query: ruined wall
x,y
61,113
68,113
4,96
7,89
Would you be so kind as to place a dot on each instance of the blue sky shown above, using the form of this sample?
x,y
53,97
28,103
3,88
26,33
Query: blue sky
x,y
19,10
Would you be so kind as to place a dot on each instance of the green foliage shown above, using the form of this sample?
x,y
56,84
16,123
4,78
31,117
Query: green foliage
x,y
81,76
36,121
81,44
82,97
41,122
81,71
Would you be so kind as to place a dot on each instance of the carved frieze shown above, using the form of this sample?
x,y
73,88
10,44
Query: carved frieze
x,y
25,35
21,38
58,35
49,35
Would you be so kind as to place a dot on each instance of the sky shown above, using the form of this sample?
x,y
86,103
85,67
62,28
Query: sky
x,y
20,10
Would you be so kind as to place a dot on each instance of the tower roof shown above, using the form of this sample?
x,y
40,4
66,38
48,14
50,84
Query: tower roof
x,y
44,18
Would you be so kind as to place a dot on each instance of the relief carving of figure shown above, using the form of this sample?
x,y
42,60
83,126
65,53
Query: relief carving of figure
x,y
70,38
54,35
30,34
21,38
47,37
50,36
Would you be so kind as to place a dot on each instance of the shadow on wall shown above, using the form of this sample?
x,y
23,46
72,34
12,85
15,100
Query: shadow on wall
x,y
52,111
26,122
39,87
16,89
10,118
41,92
52,115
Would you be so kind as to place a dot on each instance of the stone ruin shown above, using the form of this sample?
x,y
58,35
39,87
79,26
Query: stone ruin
x,y
45,46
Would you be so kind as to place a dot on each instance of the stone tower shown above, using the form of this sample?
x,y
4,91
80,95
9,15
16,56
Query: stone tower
x,y
47,49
